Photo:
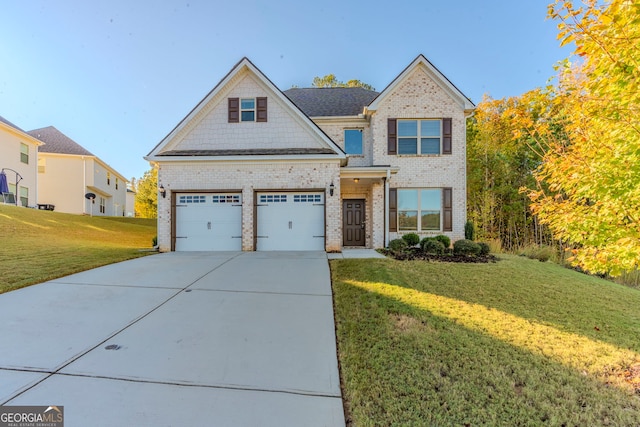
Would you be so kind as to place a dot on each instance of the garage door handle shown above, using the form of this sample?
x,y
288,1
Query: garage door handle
x,y
209,225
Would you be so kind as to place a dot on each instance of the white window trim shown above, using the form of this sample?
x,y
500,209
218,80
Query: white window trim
x,y
418,137
254,109
419,211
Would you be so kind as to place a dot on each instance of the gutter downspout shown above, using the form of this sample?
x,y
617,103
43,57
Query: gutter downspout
x,y
386,208
84,184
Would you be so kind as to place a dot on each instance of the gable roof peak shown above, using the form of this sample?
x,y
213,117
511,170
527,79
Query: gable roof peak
x,y
435,74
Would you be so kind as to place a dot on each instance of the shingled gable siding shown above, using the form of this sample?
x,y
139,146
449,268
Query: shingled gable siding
x,y
234,110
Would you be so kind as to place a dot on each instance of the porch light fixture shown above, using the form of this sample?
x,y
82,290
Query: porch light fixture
x,y
331,188
163,192
356,180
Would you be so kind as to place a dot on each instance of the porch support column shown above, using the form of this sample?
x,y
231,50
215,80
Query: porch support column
x,y
386,208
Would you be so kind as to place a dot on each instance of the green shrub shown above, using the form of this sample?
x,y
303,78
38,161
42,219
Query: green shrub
x,y
466,247
432,246
484,248
541,253
469,231
154,241
397,245
445,240
411,239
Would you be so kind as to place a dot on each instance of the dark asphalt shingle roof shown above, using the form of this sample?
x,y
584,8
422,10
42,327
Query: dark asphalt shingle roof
x,y
57,142
248,152
335,101
7,122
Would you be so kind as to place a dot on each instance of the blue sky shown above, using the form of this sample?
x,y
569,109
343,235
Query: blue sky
x,y
117,75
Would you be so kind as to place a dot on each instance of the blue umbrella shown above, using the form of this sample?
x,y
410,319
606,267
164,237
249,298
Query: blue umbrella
x,y
4,187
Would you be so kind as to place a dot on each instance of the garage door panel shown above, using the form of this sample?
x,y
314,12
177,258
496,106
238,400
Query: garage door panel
x,y
208,222
290,221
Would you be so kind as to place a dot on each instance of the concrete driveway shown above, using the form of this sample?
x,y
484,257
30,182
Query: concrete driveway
x,y
178,339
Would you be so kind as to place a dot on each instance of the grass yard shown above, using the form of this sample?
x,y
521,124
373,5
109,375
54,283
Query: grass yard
x,y
516,343
37,245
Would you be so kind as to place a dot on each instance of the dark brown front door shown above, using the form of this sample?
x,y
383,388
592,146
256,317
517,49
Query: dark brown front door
x,y
353,226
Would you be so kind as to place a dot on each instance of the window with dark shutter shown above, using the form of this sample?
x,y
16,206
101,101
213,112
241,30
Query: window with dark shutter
x,y
446,136
261,109
392,137
393,209
234,110
447,209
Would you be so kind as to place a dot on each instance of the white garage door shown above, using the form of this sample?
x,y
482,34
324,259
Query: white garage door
x,y
208,222
290,221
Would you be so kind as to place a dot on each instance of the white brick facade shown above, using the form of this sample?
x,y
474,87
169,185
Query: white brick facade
x,y
420,92
249,178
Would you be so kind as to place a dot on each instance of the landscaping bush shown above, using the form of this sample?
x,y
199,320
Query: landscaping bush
x,y
397,245
432,246
541,253
411,239
154,241
469,231
484,248
466,247
445,240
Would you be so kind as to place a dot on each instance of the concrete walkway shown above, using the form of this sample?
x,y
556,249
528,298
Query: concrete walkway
x,y
178,339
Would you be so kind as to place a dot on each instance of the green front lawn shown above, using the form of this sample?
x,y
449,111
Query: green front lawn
x,y
516,343
36,246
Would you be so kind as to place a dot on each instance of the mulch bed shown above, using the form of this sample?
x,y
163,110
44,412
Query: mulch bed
x,y
416,254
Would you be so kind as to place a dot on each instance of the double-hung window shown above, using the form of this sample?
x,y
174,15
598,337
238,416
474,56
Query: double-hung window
x,y
419,209
24,153
419,136
103,205
353,141
248,109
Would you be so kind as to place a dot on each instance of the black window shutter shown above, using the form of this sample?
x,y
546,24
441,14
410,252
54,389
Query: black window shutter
x,y
446,136
392,137
393,209
234,110
261,109
447,209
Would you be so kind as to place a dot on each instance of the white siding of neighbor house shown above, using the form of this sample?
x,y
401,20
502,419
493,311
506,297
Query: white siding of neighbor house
x,y
65,179
10,141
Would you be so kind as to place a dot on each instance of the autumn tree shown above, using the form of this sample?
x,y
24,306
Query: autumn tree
x,y
146,202
506,141
330,80
589,185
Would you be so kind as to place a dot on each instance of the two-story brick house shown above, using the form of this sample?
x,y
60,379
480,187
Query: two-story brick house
x,y
255,168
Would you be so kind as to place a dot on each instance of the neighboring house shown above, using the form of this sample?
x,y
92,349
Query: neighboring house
x,y
19,161
130,204
67,172
255,168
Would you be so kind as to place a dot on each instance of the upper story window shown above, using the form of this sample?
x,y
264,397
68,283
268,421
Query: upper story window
x,y
108,178
247,110
353,141
419,136
116,183
24,153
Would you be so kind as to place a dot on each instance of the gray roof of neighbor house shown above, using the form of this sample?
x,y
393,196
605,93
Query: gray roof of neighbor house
x,y
334,101
7,122
57,142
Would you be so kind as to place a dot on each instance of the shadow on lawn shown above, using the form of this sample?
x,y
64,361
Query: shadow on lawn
x,y
405,352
